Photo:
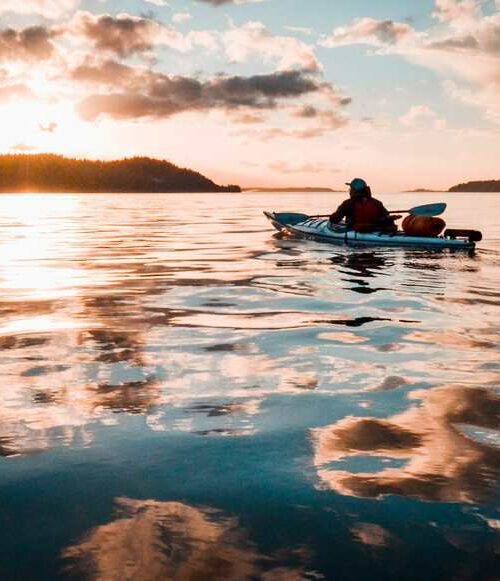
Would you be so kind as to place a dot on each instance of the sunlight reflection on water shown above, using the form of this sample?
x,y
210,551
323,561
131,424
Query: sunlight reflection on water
x,y
166,354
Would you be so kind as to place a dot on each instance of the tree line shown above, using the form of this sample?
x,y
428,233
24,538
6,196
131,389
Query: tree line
x,y
480,186
55,173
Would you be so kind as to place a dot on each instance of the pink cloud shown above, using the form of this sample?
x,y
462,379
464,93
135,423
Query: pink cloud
x,y
254,39
29,44
45,8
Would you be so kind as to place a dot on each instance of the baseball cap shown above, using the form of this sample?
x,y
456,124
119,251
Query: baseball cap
x,y
357,184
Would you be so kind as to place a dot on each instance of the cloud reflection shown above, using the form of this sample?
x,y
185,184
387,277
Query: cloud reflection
x,y
441,462
152,539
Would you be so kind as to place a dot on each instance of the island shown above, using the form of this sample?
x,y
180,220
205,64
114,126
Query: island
x,y
46,173
422,190
478,186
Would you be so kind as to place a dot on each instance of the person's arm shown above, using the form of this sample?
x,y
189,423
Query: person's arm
x,y
341,212
387,220
384,212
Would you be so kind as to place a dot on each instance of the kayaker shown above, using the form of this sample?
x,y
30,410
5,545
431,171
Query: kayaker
x,y
362,212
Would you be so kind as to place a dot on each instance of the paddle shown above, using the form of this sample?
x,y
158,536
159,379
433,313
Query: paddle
x,y
425,210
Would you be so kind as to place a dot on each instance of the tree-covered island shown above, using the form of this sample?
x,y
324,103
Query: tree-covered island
x,y
478,186
55,173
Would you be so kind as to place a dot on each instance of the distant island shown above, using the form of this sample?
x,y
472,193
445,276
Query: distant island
x,y
421,190
289,190
55,173
480,186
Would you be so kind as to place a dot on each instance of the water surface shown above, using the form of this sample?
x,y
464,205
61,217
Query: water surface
x,y
186,395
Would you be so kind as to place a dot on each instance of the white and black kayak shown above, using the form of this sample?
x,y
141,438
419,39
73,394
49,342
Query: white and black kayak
x,y
321,230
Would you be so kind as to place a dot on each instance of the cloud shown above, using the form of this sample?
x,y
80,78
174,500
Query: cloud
x,y
46,8
288,168
369,31
469,52
465,45
312,112
324,119
30,44
461,43
456,11
422,116
300,30
253,38
314,132
248,118
15,91
181,17
131,92
125,35
155,95
23,148
108,72
48,128
306,111
487,99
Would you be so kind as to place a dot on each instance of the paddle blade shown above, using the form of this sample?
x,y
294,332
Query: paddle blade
x,y
286,218
428,209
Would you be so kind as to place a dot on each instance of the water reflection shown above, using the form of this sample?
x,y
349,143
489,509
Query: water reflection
x,y
373,536
6,448
364,264
152,539
440,461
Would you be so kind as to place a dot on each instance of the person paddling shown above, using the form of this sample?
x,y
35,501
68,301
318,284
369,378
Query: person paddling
x,y
362,212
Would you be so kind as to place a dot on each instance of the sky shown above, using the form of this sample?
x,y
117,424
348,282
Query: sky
x,y
269,93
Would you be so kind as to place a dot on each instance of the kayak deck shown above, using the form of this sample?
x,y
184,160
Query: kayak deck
x,y
320,229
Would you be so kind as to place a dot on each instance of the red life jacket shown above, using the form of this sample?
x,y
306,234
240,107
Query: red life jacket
x,y
368,214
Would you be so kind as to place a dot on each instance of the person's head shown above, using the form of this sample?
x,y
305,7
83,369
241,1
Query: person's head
x,y
358,188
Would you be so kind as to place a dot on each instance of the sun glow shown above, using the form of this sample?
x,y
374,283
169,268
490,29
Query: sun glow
x,y
44,262
30,126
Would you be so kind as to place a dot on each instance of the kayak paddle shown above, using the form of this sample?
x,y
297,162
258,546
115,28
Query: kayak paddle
x,y
425,210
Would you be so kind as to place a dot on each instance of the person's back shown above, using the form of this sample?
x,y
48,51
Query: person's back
x,y
361,211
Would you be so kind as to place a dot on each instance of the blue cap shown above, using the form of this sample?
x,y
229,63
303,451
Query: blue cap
x,y
357,184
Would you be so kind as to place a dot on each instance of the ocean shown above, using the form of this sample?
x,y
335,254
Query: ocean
x,y
185,395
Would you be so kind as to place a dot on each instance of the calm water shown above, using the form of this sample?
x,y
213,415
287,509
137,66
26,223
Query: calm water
x,y
185,396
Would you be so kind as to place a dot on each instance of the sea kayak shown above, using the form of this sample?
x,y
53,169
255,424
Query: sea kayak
x,y
320,229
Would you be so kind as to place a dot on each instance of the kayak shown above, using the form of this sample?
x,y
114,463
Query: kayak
x,y
321,230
